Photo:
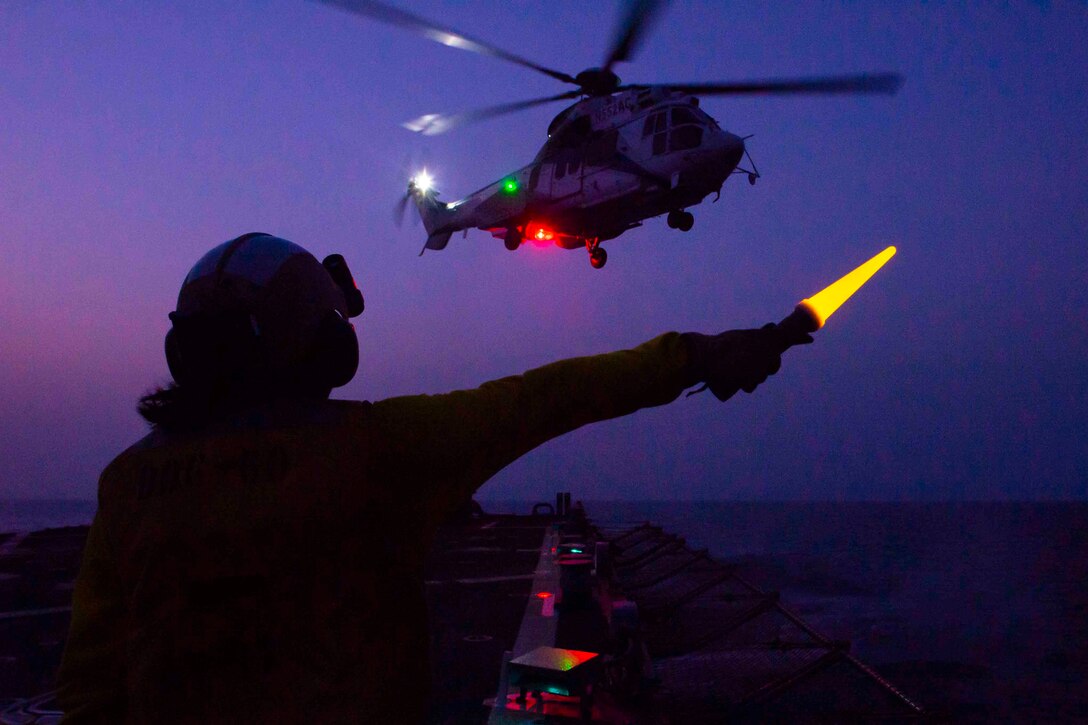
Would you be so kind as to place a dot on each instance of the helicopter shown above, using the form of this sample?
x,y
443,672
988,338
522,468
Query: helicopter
x,y
621,154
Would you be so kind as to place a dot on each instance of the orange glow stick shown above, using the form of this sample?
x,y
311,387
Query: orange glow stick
x,y
811,313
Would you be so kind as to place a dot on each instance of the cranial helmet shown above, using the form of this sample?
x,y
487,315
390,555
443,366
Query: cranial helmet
x,y
262,311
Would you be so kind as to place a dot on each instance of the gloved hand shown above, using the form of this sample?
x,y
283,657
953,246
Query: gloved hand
x,y
738,359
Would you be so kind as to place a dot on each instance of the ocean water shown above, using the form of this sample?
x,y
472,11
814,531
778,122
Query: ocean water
x,y
34,515
960,602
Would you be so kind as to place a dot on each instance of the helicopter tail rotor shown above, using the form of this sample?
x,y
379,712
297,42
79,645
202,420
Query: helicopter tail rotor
x,y
400,206
420,190
435,215
413,167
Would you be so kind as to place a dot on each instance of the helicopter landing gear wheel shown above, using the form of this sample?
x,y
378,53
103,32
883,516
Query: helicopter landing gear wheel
x,y
512,240
597,256
679,219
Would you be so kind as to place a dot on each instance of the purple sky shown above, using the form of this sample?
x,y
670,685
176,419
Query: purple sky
x,y
135,136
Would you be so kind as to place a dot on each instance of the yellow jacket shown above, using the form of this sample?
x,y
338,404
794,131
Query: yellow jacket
x,y
269,568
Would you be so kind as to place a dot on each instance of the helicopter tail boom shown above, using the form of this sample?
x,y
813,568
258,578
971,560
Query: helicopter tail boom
x,y
434,213
436,241
438,218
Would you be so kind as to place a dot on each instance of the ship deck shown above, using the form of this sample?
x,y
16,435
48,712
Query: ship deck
x,y
718,647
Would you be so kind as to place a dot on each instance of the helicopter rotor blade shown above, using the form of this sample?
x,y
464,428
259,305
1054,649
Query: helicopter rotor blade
x,y
398,210
887,83
634,24
435,123
445,36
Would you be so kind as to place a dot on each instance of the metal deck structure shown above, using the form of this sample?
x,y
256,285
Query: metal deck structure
x,y
722,649
681,637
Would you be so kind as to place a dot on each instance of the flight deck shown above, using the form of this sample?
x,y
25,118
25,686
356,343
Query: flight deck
x,y
543,617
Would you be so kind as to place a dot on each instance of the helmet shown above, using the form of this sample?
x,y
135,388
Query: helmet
x,y
262,311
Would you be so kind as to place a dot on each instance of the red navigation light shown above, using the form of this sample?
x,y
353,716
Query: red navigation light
x,y
539,233
543,595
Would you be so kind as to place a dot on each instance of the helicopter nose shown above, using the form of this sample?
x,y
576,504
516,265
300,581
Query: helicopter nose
x,y
732,150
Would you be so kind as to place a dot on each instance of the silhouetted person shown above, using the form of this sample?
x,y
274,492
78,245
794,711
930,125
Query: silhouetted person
x,y
258,556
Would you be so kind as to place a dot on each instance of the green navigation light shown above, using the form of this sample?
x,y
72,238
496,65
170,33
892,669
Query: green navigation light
x,y
510,185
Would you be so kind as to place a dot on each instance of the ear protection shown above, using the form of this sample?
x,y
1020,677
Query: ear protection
x,y
337,356
341,275
203,349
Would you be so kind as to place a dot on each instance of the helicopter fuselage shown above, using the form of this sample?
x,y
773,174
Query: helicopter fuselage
x,y
610,162
620,155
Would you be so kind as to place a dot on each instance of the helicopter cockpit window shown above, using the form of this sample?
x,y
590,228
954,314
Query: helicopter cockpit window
x,y
685,137
659,143
687,130
654,124
681,115
568,167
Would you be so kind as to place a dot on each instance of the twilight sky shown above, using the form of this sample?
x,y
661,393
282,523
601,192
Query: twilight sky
x,y
135,136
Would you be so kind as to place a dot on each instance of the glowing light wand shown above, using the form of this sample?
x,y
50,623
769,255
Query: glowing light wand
x,y
811,313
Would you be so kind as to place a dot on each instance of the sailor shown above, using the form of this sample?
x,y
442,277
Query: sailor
x,y
258,556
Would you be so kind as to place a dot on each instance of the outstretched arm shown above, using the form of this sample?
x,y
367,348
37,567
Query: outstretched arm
x,y
455,442
458,440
